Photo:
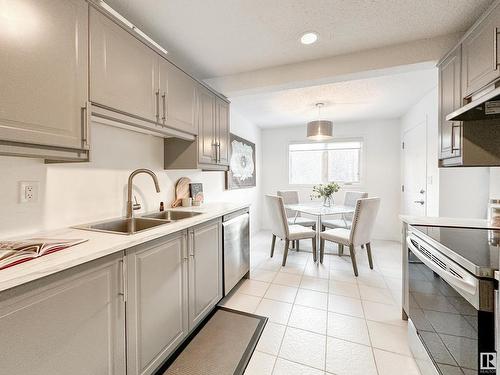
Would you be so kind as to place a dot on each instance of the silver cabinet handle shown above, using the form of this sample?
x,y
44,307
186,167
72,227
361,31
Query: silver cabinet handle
x,y
123,281
421,202
157,94
192,254
453,148
164,101
85,125
495,48
214,144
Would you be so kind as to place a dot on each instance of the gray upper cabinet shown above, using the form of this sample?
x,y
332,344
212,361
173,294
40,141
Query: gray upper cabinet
x,y
480,61
206,113
450,99
43,65
178,95
123,71
157,301
72,322
222,127
205,270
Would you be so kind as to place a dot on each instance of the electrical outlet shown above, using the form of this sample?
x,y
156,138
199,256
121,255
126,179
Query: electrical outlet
x,y
28,191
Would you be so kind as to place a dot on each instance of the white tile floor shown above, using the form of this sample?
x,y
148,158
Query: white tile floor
x,y
322,319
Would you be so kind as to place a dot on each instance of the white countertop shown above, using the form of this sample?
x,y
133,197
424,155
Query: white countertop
x,y
101,244
447,222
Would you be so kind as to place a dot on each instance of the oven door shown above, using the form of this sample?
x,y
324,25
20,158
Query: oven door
x,y
449,313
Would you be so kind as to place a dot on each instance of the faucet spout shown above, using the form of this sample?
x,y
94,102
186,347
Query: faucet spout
x,y
130,209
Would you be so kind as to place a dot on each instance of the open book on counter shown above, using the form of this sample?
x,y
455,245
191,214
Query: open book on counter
x,y
15,252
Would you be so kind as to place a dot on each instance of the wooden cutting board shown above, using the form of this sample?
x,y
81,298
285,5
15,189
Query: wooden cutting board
x,y
181,191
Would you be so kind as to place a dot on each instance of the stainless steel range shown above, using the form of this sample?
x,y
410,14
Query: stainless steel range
x,y
449,298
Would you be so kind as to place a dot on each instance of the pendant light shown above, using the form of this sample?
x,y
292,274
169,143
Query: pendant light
x,y
319,130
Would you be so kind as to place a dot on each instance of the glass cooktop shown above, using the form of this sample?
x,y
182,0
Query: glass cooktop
x,y
478,246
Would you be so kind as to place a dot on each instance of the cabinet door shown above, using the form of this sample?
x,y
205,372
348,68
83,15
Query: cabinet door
x,y
223,131
123,71
206,126
73,324
177,91
43,64
205,270
449,100
157,305
480,54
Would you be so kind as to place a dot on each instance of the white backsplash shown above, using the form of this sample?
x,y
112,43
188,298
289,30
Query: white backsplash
x,y
83,192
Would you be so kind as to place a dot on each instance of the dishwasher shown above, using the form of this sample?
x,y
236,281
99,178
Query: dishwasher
x,y
236,233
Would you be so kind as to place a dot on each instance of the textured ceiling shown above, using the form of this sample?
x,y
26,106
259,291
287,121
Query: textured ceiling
x,y
220,37
365,99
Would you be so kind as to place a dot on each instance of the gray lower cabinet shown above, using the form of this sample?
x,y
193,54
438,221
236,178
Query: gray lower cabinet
x,y
157,301
205,270
480,60
44,63
72,322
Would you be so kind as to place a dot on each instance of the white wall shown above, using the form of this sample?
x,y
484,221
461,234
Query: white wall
x,y
426,110
83,192
382,162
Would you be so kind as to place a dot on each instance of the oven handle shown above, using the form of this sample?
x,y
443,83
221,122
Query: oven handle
x,y
469,286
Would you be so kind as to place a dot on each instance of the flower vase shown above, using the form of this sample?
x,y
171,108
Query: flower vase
x,y
328,201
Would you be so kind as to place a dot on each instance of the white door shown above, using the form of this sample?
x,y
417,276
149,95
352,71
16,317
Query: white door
x,y
415,170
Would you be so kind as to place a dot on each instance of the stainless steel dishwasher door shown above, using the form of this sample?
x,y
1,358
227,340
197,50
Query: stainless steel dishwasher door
x,y
236,229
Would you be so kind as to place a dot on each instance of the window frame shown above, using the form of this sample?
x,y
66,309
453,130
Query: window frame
x,y
347,186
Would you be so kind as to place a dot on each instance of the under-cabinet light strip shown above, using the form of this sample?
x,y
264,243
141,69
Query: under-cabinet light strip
x,y
129,24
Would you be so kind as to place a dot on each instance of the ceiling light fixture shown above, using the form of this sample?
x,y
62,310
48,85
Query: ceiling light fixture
x,y
319,130
309,38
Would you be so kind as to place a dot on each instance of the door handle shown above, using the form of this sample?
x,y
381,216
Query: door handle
x,y
421,202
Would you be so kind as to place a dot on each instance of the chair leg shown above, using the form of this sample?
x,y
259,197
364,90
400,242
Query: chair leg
x,y
369,252
340,249
321,248
285,253
353,260
273,242
297,245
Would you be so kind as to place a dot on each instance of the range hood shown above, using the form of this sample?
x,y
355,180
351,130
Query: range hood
x,y
485,107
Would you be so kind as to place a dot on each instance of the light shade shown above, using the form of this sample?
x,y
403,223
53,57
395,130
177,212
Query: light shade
x,y
319,130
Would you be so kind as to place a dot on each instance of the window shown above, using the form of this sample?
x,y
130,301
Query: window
x,y
319,163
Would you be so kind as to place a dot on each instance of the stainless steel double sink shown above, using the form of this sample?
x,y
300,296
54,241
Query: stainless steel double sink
x,y
138,224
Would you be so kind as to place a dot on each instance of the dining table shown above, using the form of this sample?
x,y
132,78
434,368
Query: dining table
x,y
319,210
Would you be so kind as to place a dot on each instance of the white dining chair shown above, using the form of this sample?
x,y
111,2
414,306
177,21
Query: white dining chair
x,y
280,227
350,200
360,233
294,217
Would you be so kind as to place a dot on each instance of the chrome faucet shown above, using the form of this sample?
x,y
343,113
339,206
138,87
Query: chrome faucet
x,y
130,204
